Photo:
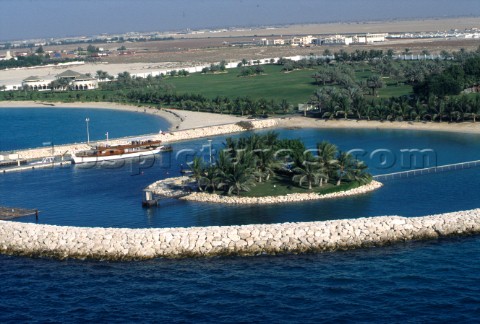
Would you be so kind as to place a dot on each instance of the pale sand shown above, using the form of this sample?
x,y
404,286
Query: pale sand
x,y
178,119
388,26
185,119
15,76
306,122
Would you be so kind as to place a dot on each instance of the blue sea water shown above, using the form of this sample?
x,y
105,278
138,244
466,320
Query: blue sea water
x,y
31,127
412,282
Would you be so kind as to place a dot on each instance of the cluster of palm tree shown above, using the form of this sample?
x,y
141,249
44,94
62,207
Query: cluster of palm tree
x,y
329,165
334,103
248,161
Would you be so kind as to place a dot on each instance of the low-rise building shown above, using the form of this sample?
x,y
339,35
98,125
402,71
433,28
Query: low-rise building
x,y
36,83
302,40
77,81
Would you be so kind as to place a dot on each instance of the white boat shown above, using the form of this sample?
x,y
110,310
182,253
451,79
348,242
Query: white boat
x,y
45,160
118,152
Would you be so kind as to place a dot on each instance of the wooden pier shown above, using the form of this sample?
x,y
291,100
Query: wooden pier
x,y
7,213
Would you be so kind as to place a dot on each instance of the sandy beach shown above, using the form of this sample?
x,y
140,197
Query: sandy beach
x,y
306,122
184,119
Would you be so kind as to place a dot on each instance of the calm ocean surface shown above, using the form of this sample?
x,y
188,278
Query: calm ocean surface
x,y
31,127
415,281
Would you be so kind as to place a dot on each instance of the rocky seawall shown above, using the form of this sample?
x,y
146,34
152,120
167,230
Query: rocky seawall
x,y
172,187
136,244
167,137
290,198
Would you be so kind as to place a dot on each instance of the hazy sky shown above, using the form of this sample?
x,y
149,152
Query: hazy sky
x,y
20,19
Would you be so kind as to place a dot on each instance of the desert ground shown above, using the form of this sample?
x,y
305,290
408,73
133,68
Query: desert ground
x,y
205,48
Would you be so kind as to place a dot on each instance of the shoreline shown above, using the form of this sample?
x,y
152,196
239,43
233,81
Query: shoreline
x,y
308,122
186,119
163,188
178,119
188,125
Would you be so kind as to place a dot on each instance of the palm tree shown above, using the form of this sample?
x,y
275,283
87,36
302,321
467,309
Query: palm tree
x,y
359,173
374,82
210,178
345,166
310,171
197,167
326,156
238,178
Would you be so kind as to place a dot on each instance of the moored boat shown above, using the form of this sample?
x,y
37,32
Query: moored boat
x,y
117,152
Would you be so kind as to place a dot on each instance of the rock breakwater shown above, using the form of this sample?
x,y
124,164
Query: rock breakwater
x,y
172,187
167,137
137,244
290,198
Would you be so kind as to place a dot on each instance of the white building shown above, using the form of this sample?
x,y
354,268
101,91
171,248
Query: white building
x,y
302,41
36,83
335,40
7,57
264,42
78,81
369,38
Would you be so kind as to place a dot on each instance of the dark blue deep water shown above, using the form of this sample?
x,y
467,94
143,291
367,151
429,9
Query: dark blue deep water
x,y
412,282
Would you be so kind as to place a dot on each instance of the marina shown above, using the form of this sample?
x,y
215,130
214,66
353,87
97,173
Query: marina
x,y
74,196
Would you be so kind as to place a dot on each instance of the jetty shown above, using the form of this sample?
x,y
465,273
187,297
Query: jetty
x,y
171,188
418,172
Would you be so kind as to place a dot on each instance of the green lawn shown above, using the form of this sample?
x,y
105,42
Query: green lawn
x,y
281,186
295,87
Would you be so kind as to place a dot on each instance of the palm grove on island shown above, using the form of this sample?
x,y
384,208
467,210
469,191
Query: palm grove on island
x,y
264,165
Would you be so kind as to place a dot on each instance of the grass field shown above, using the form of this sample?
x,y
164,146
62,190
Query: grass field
x,y
281,186
296,86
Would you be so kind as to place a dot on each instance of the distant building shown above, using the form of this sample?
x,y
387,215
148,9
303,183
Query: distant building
x,y
278,42
369,38
355,39
302,41
36,83
264,42
335,40
7,56
66,80
77,81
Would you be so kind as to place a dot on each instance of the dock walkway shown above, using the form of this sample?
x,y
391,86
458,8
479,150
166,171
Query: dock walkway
x,y
417,172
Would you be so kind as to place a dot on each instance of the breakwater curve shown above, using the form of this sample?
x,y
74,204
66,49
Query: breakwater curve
x,y
28,239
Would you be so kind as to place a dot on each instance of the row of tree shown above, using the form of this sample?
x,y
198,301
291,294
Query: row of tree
x,y
331,103
255,159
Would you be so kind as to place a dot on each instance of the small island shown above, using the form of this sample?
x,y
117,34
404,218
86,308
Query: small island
x,y
263,169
